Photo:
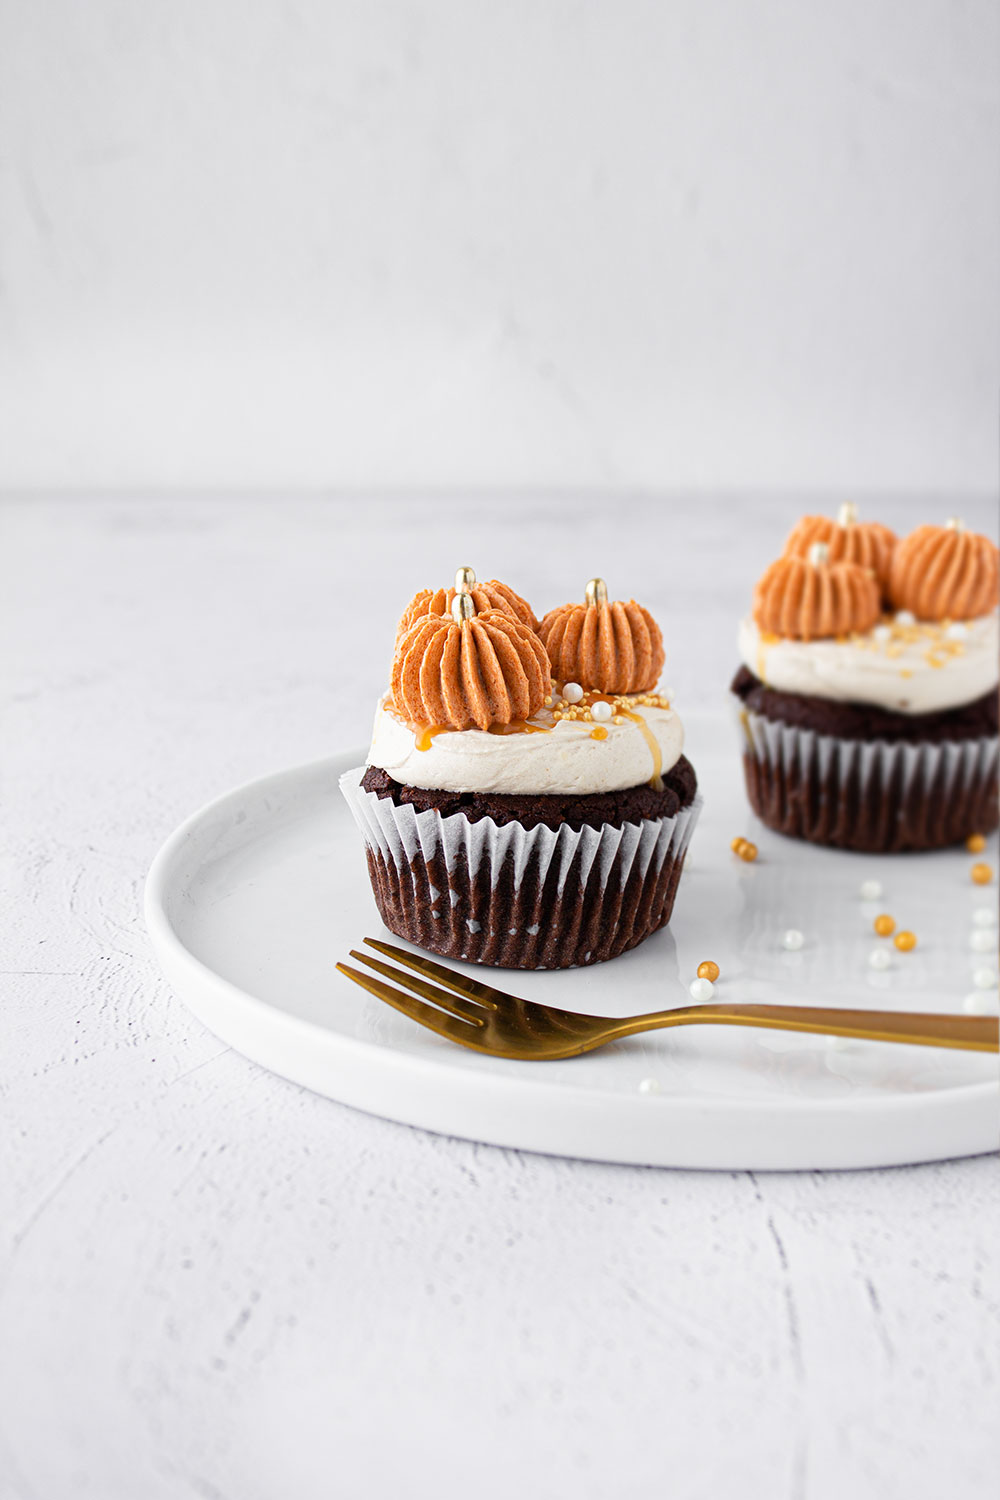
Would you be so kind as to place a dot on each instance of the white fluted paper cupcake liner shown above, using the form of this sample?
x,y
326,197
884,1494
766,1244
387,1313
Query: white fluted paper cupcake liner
x,y
411,843
400,832
920,794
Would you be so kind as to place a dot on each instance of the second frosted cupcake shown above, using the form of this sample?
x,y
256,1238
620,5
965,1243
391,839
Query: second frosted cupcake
x,y
868,687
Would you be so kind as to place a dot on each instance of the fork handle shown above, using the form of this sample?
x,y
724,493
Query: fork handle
x,y
970,1033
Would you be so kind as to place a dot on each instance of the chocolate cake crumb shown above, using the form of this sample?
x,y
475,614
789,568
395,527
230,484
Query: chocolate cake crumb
x,y
866,721
596,810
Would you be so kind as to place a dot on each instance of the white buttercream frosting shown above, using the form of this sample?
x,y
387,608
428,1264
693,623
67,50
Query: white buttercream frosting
x,y
909,668
566,759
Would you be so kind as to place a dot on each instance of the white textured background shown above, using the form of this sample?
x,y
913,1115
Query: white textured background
x,y
315,243
458,242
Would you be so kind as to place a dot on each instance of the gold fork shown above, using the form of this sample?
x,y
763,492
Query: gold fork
x,y
476,1015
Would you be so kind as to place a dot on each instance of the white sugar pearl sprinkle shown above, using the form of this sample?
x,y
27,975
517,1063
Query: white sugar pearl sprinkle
x,y
793,940
879,958
985,979
601,711
978,1004
982,940
701,989
871,890
572,692
649,1086
957,631
905,617
985,916
882,633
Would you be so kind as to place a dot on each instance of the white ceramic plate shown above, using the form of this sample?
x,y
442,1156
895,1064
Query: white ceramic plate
x,y
250,903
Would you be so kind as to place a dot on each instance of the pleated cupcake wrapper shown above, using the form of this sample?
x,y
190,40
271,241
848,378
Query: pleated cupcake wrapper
x,y
947,768
401,834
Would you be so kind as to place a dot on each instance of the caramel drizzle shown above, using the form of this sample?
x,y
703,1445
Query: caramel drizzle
x,y
424,737
765,639
520,726
424,734
653,745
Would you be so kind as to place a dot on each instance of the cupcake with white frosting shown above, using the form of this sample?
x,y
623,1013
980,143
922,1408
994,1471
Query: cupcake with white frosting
x,y
868,690
526,800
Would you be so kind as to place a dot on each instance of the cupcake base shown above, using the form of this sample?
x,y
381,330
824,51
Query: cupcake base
x,y
862,778
562,882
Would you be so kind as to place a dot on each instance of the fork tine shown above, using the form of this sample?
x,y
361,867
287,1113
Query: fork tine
x,y
451,1003
452,1027
469,988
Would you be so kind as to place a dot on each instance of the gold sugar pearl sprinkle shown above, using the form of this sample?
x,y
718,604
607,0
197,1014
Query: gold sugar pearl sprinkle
x,y
975,843
982,874
905,941
884,924
708,970
744,849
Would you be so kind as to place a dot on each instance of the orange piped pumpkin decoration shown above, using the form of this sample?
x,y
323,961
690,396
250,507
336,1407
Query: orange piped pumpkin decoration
x,y
469,671
489,595
611,647
867,543
945,573
805,599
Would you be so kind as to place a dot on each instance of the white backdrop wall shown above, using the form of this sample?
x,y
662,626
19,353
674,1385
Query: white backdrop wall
x,y
450,242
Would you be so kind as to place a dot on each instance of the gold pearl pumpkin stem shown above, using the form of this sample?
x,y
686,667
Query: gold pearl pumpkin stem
x,y
465,580
596,591
955,523
819,554
462,607
848,514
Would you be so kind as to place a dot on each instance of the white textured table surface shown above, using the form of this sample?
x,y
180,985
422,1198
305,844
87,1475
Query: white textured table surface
x,y
213,1284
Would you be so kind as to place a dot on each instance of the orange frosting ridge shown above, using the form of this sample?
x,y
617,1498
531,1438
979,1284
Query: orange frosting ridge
x,y
469,674
489,595
945,573
611,647
805,600
867,543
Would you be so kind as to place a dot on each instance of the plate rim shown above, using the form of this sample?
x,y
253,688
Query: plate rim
x,y
176,958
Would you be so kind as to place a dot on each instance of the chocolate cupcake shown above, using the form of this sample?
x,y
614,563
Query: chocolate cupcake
x,y
868,690
511,819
